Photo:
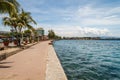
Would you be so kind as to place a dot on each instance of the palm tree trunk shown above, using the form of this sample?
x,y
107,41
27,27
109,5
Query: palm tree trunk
x,y
17,36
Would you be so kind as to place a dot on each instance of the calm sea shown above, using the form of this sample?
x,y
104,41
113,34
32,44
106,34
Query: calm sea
x,y
89,59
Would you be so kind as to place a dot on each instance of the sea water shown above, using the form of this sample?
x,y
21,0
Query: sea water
x,y
89,59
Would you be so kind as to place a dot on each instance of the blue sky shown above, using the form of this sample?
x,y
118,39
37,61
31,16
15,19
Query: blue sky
x,y
75,17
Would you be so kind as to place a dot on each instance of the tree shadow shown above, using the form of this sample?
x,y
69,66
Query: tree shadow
x,y
2,66
5,62
5,66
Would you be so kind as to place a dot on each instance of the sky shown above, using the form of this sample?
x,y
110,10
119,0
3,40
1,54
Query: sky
x,y
78,18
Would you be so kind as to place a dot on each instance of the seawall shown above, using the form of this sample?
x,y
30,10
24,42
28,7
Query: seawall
x,y
54,70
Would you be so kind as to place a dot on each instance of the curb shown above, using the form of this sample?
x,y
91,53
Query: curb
x,y
54,69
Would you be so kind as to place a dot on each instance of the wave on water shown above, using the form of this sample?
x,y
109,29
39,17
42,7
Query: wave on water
x,y
89,59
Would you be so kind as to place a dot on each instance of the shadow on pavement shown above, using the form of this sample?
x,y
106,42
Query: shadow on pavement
x,y
2,66
5,62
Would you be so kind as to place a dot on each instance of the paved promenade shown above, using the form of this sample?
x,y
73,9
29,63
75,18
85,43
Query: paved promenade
x,y
38,62
29,64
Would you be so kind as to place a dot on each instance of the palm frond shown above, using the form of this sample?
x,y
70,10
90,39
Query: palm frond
x,y
28,17
15,3
30,27
6,7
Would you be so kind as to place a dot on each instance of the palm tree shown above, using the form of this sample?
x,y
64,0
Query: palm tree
x,y
9,6
15,3
19,22
28,34
26,19
12,22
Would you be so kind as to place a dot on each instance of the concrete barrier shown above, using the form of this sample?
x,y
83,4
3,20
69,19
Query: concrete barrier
x,y
54,69
3,56
8,54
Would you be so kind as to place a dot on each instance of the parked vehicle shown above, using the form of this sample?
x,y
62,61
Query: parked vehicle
x,y
1,45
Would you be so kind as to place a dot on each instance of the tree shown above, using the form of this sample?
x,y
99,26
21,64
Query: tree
x,y
28,34
9,6
12,22
57,37
51,34
18,22
26,19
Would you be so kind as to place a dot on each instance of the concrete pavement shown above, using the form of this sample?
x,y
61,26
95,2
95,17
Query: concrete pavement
x,y
38,62
29,64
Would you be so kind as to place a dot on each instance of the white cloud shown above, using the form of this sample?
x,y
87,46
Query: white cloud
x,y
89,11
103,21
84,15
81,31
77,31
81,15
98,16
86,11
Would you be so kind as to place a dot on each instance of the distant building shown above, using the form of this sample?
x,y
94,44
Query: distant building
x,y
40,33
2,36
4,32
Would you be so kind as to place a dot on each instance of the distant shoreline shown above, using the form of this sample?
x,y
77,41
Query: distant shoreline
x,y
90,38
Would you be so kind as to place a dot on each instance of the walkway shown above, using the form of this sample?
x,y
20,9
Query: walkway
x,y
29,64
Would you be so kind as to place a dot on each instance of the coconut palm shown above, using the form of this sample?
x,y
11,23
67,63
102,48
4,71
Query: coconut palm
x,y
25,16
28,34
9,6
19,22
12,22
27,19
15,3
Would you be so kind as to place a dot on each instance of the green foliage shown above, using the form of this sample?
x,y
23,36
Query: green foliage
x,y
13,34
17,19
27,33
58,37
51,34
9,6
